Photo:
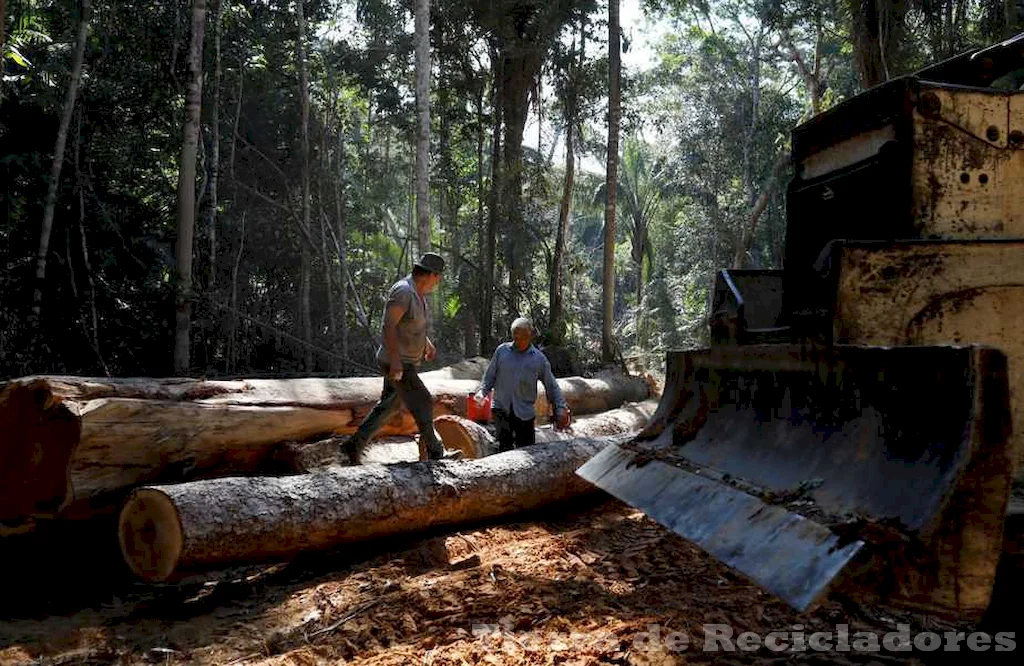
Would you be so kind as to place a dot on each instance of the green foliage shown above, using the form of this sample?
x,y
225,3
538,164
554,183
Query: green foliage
x,y
702,133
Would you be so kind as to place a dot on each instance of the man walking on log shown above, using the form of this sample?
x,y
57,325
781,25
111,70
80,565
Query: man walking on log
x,y
405,346
513,373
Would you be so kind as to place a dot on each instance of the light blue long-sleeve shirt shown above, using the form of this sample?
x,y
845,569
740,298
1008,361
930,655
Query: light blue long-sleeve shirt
x,y
514,374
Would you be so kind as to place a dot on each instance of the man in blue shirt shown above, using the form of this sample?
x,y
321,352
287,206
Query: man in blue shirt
x,y
513,373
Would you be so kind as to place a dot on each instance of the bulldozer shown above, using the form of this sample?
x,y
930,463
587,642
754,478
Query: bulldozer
x,y
856,422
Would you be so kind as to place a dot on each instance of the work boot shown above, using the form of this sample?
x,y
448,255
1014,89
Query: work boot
x,y
446,454
350,450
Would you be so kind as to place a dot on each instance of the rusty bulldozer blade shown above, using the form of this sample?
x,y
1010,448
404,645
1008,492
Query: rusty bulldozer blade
x,y
885,471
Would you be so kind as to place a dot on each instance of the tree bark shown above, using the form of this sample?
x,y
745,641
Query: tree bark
x,y
1013,11
556,328
233,340
307,260
58,158
475,441
342,221
3,27
211,213
422,28
72,442
494,204
608,290
747,239
187,192
165,531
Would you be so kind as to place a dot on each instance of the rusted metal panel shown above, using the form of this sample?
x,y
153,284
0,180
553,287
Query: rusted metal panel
x,y
967,174
933,292
902,449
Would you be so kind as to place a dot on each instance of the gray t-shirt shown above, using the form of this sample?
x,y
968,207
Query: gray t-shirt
x,y
412,327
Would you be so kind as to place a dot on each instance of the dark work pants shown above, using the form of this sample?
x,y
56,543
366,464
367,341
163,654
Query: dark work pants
x,y
512,431
411,390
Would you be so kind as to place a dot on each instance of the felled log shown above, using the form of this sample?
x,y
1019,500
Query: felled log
x,y
165,531
71,444
469,368
476,441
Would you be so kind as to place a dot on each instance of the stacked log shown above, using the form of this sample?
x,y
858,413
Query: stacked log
x,y
166,531
72,446
476,441
457,432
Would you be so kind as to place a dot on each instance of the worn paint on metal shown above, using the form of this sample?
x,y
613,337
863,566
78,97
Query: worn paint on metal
x,y
790,556
929,293
966,172
903,449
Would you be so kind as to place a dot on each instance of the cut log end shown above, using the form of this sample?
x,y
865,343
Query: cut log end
x,y
469,437
150,533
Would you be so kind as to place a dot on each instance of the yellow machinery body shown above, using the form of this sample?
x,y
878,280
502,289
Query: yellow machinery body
x,y
858,420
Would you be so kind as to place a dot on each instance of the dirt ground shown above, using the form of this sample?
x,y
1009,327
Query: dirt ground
x,y
592,583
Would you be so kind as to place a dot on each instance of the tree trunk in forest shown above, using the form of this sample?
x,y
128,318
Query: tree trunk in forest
x,y
166,530
341,221
556,328
307,259
422,36
877,27
211,213
519,71
234,124
77,440
3,29
608,290
58,158
187,191
494,204
233,339
1013,11
747,238
481,227
475,441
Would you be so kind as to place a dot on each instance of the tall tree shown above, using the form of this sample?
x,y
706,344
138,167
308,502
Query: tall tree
x,y
570,94
422,37
187,190
489,250
608,292
307,259
58,157
877,26
214,166
3,28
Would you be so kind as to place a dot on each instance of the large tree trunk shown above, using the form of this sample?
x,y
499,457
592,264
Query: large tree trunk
x,y
457,432
519,72
422,23
58,157
877,26
72,442
608,290
165,531
476,441
307,259
187,191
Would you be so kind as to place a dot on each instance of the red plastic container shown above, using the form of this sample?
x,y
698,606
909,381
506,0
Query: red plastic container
x,y
480,414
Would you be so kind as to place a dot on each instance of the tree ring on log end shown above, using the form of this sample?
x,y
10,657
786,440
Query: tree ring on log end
x,y
149,530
